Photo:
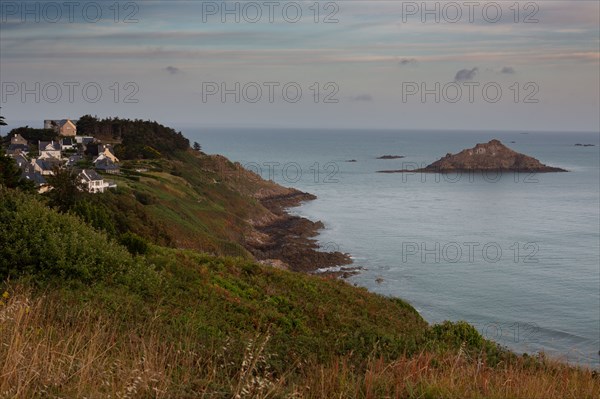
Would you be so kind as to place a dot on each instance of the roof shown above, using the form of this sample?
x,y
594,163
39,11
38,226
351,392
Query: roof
x,y
104,147
67,141
20,160
59,122
90,175
36,177
14,147
43,146
105,164
17,139
84,139
73,159
46,164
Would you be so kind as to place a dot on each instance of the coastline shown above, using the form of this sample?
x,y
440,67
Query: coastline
x,y
289,242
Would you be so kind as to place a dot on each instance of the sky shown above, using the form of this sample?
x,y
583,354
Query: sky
x,y
472,65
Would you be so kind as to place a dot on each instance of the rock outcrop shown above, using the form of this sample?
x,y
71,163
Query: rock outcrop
x,y
484,157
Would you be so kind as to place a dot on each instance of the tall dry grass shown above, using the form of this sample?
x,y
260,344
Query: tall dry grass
x,y
47,350
451,376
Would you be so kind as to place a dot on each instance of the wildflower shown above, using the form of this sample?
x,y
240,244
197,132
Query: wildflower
x,y
5,295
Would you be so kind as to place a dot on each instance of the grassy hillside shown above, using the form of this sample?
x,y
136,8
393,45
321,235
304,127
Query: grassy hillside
x,y
191,201
82,317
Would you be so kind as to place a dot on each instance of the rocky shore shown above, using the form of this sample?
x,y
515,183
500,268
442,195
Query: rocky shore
x,y
288,241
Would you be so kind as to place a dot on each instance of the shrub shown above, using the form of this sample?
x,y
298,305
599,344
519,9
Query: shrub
x,y
96,215
43,243
455,334
134,243
144,198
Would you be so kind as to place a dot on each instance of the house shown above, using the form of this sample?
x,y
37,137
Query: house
x,y
21,161
45,166
84,139
108,151
64,127
17,145
49,149
94,183
73,159
106,164
18,140
14,149
67,143
40,182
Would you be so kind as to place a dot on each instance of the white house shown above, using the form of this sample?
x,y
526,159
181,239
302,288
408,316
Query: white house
x,y
93,181
49,149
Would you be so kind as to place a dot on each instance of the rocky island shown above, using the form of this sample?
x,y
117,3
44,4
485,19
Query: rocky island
x,y
492,156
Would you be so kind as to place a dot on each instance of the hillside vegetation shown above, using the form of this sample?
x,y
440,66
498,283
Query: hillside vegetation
x,y
81,316
132,294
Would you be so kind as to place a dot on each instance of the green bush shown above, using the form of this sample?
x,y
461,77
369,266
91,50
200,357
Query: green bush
x,y
455,334
96,215
48,246
134,243
144,198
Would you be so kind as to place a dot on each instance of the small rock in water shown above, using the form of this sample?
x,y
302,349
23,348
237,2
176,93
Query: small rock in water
x,y
391,157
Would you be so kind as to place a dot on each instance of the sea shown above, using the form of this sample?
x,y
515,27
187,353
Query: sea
x,y
517,255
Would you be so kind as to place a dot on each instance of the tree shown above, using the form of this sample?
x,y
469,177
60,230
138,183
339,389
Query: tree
x,y
67,189
10,174
86,125
197,146
2,123
34,135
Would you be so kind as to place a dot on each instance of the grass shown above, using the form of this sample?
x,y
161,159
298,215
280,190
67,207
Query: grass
x,y
179,323
191,211
52,350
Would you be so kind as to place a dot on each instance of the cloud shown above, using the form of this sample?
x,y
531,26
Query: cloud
x,y
466,74
362,97
172,70
407,61
508,70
